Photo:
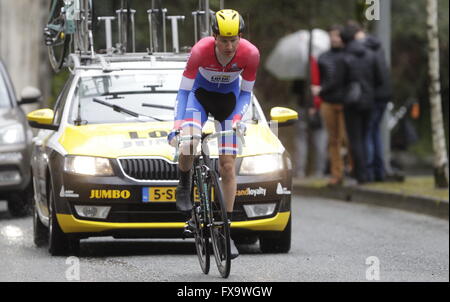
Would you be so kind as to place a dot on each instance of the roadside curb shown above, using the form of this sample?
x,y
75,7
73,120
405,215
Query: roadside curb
x,y
418,204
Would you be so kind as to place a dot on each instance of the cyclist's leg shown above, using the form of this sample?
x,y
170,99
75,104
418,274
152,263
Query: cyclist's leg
x,y
227,159
193,121
222,105
194,118
227,169
228,173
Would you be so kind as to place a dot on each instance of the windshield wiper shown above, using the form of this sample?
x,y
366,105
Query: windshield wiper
x,y
117,94
158,106
120,109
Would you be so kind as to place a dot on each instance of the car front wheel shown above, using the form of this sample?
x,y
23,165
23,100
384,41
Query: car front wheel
x,y
276,242
59,243
40,231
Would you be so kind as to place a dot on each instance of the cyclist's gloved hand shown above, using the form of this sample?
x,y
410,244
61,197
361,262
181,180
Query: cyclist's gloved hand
x,y
239,126
176,130
171,138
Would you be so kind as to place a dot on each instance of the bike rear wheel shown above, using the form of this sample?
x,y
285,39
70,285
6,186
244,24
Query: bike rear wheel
x,y
219,227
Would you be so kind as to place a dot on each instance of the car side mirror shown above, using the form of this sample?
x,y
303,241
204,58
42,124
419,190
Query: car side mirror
x,y
283,116
30,95
42,119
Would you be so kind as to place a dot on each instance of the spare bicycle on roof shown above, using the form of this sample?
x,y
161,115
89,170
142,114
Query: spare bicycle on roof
x,y
71,25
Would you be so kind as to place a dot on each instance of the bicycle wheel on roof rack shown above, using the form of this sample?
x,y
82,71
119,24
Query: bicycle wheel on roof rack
x,y
85,24
56,40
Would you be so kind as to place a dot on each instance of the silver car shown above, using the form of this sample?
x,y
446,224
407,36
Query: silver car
x,y
15,144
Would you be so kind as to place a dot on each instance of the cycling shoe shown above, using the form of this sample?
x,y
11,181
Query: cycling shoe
x,y
183,193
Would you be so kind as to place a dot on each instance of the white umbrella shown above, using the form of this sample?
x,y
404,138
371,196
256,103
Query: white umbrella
x,y
289,58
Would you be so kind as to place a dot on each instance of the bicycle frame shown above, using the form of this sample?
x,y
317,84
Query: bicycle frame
x,y
202,190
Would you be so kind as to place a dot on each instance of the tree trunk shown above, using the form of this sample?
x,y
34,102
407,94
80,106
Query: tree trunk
x,y
437,123
21,44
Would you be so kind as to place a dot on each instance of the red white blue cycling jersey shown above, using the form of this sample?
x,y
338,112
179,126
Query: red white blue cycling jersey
x,y
210,87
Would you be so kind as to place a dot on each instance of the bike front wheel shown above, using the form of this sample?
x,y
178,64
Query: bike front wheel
x,y
219,227
201,239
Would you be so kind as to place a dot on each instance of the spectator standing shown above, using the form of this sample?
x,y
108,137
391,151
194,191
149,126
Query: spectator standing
x,y
383,94
362,77
331,91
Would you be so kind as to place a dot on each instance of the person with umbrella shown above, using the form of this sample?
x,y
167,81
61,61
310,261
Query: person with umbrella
x,y
295,58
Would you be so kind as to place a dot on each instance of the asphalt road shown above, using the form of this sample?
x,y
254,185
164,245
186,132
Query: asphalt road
x,y
332,241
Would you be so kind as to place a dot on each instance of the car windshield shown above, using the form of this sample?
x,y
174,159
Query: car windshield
x,y
4,96
126,98
110,99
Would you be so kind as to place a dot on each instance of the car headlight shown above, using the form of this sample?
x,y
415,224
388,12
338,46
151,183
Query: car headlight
x,y
12,134
261,164
86,165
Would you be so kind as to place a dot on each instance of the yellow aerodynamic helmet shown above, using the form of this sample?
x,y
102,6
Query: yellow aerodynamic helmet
x,y
227,22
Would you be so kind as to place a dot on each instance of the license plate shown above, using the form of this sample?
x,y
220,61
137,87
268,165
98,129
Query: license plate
x,y
165,194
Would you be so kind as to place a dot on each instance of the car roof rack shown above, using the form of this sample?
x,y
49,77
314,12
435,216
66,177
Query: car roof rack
x,y
157,51
103,62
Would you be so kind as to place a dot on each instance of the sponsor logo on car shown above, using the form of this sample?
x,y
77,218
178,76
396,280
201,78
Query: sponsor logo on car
x,y
251,192
68,193
110,194
281,190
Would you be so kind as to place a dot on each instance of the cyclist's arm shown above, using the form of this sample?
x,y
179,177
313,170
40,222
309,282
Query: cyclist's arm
x,y
181,101
248,81
187,82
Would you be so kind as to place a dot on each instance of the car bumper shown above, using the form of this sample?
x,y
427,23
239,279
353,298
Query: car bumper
x,y
70,224
131,217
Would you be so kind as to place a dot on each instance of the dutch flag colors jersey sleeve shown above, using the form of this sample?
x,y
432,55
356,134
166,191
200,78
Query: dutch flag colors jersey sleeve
x,y
251,57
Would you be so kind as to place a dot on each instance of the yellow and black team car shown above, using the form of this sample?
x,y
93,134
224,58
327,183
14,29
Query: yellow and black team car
x,y
102,166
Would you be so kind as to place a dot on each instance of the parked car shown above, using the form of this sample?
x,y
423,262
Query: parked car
x,y
102,165
15,146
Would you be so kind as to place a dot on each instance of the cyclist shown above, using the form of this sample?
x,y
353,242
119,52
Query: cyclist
x,y
211,84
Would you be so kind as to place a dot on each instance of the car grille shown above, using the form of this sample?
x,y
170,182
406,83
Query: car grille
x,y
153,168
